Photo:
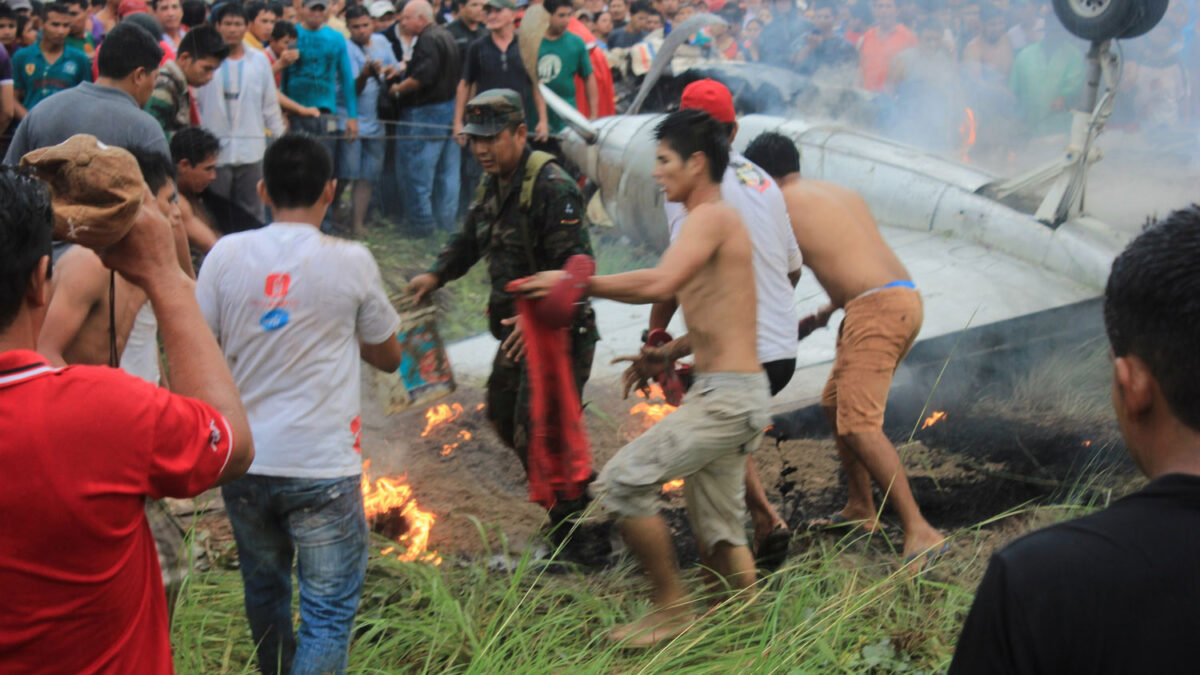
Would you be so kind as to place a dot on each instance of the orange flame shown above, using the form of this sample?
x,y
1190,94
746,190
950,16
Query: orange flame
x,y
933,419
1087,444
968,129
385,494
650,409
481,406
672,486
440,414
463,437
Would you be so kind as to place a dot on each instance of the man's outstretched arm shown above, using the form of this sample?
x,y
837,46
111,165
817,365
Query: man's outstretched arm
x,y
697,242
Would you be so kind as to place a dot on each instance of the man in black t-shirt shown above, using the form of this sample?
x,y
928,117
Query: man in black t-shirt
x,y
468,26
1118,591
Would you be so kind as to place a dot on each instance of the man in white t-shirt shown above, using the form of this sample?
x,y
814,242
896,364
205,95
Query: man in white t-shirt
x,y
757,199
294,311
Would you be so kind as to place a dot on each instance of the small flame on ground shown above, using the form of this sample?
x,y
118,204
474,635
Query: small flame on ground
x,y
651,409
672,486
481,406
933,419
440,414
1087,444
385,494
463,437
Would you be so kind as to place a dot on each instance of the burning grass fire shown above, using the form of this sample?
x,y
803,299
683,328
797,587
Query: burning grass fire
x,y
392,511
439,415
933,419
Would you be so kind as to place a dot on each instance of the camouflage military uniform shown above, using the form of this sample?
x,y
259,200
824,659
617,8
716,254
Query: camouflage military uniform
x,y
170,103
519,243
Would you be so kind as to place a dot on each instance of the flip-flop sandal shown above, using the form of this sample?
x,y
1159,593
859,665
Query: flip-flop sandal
x,y
774,548
836,520
931,555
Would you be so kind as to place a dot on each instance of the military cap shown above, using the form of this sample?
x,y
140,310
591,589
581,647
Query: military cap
x,y
501,4
491,111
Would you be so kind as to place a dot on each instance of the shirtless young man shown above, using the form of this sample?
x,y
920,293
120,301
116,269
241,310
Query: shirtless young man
x,y
708,269
861,274
76,329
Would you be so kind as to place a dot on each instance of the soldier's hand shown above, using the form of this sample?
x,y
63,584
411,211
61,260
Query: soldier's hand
x,y
514,345
540,284
421,286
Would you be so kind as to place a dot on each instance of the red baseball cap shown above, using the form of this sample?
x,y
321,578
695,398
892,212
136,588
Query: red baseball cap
x,y
710,96
128,7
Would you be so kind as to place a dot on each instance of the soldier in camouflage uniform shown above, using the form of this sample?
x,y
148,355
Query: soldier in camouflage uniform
x,y
527,216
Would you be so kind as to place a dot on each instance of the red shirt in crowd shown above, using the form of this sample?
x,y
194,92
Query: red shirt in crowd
x,y
80,450
877,51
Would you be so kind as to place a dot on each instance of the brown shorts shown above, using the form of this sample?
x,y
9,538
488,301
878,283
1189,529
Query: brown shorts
x,y
876,334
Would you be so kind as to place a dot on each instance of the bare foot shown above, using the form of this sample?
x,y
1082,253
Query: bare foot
x,y
864,519
664,623
924,548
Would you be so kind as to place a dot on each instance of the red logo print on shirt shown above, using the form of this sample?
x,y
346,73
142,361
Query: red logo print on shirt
x,y
356,429
277,284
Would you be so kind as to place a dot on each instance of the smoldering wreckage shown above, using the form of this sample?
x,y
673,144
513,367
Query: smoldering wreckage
x,y
1011,269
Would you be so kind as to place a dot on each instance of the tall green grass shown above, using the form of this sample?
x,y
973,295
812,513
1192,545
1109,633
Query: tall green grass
x,y
842,606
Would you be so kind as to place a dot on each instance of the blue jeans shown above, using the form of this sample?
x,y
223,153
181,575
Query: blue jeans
x,y
428,167
320,522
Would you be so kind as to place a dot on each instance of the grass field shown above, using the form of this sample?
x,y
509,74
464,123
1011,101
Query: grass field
x,y
844,606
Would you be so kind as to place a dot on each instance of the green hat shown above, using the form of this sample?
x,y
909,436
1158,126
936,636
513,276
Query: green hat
x,y
491,111
501,4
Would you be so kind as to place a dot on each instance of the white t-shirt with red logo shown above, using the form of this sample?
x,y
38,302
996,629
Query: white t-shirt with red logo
x,y
757,199
289,307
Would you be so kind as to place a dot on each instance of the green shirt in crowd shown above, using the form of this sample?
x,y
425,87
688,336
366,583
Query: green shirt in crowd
x,y
35,79
1039,79
559,61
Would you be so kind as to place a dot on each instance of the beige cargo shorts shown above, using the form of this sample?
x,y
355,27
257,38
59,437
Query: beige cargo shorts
x,y
705,443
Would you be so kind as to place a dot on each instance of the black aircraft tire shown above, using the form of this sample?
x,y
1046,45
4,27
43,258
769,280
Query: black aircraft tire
x,y
1108,19
1151,12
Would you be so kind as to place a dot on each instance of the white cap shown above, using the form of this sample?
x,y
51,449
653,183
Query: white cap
x,y
380,8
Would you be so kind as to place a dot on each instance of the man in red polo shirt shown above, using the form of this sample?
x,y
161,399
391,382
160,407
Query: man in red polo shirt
x,y
82,447
881,44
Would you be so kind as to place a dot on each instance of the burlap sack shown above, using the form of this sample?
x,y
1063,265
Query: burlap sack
x,y
96,189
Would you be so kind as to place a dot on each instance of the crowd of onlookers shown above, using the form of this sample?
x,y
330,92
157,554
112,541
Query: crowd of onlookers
x,y
384,85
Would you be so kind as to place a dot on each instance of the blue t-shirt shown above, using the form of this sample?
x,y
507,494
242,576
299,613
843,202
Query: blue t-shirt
x,y
378,49
37,79
324,64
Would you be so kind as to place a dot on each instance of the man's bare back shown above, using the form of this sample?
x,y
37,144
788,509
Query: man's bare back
x,y
718,301
76,330
839,239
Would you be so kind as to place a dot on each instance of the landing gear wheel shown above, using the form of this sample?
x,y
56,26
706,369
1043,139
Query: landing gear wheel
x,y
1152,11
1097,19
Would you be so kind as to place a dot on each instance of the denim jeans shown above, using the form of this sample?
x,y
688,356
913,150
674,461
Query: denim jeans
x,y
320,523
428,167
